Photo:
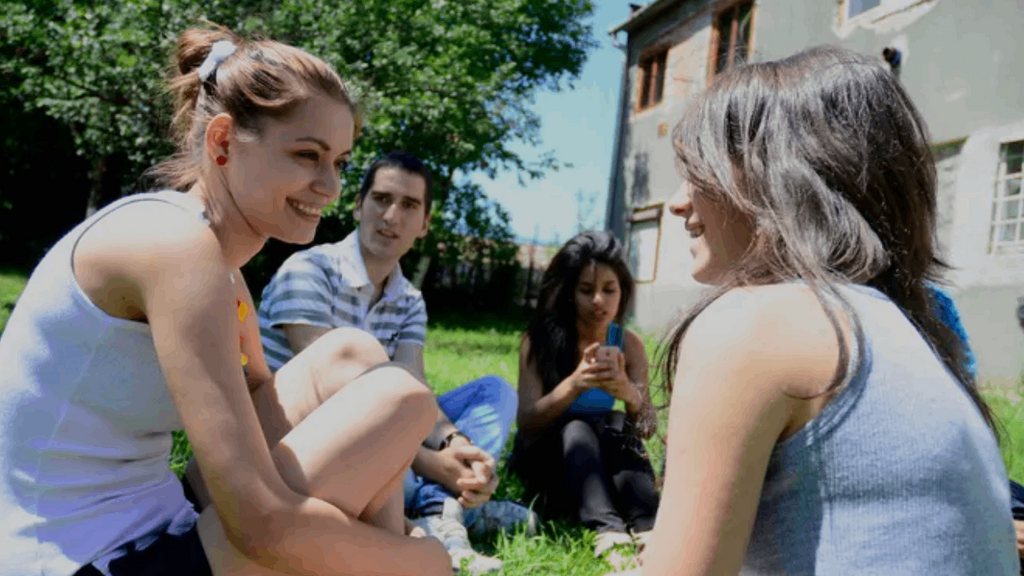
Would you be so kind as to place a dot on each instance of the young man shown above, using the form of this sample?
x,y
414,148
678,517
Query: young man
x,y
358,282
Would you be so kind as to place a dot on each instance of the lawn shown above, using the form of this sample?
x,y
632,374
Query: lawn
x,y
461,348
12,282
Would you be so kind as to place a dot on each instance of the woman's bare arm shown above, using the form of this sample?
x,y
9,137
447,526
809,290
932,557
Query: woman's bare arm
x,y
536,409
732,401
175,266
638,371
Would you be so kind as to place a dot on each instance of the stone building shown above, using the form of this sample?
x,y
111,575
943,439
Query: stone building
x,y
963,64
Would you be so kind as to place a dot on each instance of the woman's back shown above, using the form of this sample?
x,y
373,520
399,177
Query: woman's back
x,y
87,421
899,474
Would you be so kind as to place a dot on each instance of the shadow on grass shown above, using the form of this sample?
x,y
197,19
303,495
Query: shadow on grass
x,y
511,320
475,348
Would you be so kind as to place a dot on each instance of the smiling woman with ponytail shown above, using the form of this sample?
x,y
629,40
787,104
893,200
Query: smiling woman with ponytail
x,y
138,323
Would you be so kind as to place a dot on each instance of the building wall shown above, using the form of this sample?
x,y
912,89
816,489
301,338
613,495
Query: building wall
x,y
960,64
986,285
649,175
961,60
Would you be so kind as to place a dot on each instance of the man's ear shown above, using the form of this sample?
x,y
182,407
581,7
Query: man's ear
x,y
426,227
357,210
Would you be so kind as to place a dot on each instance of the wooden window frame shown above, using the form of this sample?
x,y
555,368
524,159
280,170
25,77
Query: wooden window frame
x,y
651,213
651,78
999,200
730,6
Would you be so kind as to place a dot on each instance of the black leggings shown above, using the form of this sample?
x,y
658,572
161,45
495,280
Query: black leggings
x,y
592,468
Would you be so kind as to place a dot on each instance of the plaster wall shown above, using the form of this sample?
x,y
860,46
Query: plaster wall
x,y
961,60
961,65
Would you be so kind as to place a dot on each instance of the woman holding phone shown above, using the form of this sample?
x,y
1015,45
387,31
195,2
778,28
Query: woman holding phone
x,y
582,458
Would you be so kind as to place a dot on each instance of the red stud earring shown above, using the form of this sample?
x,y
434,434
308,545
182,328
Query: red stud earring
x,y
222,160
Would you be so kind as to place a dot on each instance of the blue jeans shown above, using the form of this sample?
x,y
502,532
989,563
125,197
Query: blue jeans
x,y
484,410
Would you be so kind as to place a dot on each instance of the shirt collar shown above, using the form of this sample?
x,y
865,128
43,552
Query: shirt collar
x,y
353,268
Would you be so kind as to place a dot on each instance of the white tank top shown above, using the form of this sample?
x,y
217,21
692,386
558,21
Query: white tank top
x,y
85,424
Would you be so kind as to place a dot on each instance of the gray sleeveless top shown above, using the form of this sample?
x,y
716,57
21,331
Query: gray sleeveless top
x,y
85,425
898,475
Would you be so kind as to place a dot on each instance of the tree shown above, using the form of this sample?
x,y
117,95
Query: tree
x,y
587,218
450,81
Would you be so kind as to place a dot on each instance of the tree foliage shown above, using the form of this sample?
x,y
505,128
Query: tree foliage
x,y
451,81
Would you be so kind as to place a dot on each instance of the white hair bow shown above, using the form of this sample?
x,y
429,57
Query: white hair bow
x,y
219,52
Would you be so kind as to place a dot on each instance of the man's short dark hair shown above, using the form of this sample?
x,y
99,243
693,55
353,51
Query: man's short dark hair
x,y
402,161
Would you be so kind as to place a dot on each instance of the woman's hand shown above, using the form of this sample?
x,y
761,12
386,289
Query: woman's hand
x,y
592,372
616,382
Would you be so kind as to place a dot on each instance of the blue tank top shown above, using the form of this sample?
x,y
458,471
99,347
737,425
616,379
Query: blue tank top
x,y
898,475
593,401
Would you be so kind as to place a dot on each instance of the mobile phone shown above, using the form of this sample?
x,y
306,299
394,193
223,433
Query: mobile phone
x,y
612,344
615,335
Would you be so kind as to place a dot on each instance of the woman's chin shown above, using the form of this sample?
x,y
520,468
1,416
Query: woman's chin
x,y
297,236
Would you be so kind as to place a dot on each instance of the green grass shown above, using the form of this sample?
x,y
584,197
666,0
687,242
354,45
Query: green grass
x,y
462,348
1011,420
12,282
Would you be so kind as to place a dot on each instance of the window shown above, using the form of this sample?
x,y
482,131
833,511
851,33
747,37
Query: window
x,y
855,8
644,232
731,38
1007,213
652,79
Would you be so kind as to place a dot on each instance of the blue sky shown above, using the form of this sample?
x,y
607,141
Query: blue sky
x,y
579,126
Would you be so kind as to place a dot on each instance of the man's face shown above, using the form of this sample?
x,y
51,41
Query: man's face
x,y
393,215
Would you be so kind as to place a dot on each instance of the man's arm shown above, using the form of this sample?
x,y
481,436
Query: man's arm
x,y
410,355
456,462
300,336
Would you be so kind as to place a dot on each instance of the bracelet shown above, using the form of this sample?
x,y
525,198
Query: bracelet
x,y
448,440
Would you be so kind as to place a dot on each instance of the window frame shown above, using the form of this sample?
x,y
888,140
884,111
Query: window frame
x,y
733,6
645,215
651,66
847,4
996,220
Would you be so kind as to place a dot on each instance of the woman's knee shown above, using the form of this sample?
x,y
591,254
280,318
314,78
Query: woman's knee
x,y
578,430
404,397
577,435
351,346
339,357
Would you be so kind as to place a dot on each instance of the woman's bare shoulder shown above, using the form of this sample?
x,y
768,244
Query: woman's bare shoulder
x,y
633,343
127,253
781,329
143,235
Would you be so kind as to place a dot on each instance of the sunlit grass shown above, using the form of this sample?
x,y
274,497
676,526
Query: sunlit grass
x,y
460,349
12,282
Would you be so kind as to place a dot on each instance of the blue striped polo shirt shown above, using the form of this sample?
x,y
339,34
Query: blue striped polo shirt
x,y
327,286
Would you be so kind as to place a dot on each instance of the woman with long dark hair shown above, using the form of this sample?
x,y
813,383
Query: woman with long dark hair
x,y
822,420
583,458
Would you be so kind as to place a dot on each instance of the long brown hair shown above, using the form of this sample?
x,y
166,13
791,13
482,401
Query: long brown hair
x,y
261,79
825,152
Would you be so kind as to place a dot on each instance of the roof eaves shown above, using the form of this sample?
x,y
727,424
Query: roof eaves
x,y
641,16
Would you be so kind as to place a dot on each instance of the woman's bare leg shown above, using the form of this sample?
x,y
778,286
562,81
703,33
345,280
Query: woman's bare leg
x,y
339,433
388,511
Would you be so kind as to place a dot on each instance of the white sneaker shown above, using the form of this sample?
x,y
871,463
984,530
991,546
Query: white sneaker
x,y
448,527
500,515
617,550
